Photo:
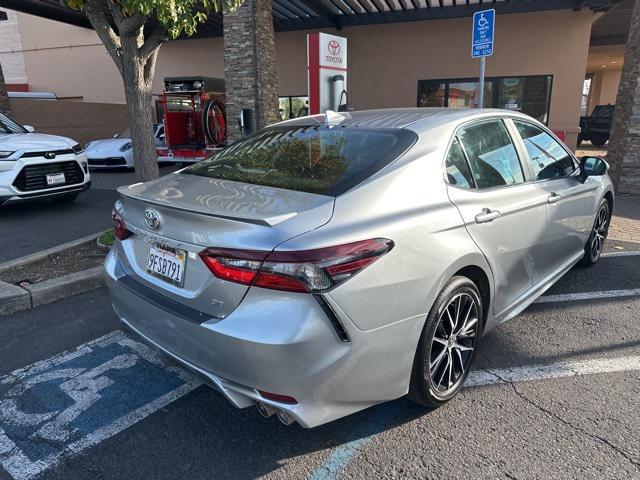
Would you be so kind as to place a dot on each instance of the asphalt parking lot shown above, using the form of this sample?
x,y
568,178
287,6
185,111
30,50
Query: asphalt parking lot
x,y
555,394
31,227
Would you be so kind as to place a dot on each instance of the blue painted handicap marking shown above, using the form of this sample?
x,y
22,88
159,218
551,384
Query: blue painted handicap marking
x,y
65,404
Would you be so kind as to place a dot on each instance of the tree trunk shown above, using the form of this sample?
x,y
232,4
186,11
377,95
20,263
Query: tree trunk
x,y
624,143
138,81
5,106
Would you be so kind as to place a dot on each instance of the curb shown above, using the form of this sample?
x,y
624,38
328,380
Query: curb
x,y
34,257
56,288
16,299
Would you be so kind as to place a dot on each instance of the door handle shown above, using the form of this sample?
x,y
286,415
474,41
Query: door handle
x,y
487,215
554,197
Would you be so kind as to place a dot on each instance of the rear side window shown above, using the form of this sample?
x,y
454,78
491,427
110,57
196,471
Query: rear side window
x,y
458,172
315,159
547,158
493,158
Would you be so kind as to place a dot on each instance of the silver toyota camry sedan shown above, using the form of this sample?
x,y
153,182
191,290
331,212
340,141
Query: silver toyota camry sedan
x,y
329,263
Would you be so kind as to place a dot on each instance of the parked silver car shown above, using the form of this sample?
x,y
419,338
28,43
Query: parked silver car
x,y
329,263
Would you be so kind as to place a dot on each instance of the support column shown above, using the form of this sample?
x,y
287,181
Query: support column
x,y
250,74
624,143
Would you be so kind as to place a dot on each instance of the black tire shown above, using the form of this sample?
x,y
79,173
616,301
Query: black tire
x,y
66,198
599,140
425,388
600,230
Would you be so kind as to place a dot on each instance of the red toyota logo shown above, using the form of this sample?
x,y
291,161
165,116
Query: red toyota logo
x,y
334,47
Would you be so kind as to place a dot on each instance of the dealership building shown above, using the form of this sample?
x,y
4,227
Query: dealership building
x,y
553,59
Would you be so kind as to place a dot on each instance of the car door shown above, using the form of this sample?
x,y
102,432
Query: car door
x,y
571,203
503,212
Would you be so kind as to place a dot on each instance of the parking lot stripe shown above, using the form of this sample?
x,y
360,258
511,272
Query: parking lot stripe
x,y
340,457
632,253
572,297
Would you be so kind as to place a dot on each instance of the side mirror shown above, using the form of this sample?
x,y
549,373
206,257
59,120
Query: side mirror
x,y
593,167
115,135
29,128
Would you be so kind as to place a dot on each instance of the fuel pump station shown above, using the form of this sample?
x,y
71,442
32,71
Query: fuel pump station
x,y
327,73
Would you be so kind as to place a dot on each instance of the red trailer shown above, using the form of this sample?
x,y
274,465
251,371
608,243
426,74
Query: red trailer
x,y
194,116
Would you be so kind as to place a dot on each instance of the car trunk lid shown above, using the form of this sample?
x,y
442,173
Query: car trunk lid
x,y
194,213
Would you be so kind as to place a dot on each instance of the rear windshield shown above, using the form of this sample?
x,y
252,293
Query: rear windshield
x,y
315,159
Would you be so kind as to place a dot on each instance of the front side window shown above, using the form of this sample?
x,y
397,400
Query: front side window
x,y
314,159
493,158
547,158
458,173
9,125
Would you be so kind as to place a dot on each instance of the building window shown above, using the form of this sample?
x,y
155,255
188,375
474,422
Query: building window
x,y
527,94
293,107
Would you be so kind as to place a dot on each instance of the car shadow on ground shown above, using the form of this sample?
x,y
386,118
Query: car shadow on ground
x,y
201,435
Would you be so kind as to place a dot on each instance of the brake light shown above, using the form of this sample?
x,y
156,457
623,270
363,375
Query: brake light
x,y
312,271
119,228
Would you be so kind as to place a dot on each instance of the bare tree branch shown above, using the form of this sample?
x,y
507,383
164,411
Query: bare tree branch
x,y
95,12
127,26
157,37
150,67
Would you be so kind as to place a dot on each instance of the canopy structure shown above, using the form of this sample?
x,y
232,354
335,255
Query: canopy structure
x,y
307,14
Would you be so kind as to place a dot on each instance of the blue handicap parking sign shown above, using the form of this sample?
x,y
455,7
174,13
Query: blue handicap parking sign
x,y
483,30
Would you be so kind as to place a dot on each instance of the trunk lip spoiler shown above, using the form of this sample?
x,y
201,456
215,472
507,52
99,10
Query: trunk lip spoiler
x,y
266,222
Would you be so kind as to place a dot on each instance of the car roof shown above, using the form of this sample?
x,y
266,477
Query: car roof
x,y
420,119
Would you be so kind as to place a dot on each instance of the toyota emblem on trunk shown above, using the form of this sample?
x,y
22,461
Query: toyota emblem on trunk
x,y
152,218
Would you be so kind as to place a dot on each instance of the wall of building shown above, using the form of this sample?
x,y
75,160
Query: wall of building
x,y
68,61
604,87
11,56
81,121
385,61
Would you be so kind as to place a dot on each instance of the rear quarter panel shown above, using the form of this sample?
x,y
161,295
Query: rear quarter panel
x,y
407,203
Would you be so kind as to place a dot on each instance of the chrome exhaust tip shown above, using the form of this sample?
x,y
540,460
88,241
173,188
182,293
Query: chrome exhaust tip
x,y
284,417
265,410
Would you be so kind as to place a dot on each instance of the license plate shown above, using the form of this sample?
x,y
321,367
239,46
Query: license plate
x,y
56,179
167,263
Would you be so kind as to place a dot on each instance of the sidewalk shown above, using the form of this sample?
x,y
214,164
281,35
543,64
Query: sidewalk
x,y
625,224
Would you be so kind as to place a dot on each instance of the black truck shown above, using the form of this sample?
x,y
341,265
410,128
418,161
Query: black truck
x,y
597,126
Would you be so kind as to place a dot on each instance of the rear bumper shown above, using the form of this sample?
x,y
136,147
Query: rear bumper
x,y
276,342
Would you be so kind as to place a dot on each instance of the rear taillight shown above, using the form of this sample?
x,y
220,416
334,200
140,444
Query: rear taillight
x,y
119,228
312,271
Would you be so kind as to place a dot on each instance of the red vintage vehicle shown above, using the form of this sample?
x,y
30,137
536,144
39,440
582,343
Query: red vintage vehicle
x,y
194,116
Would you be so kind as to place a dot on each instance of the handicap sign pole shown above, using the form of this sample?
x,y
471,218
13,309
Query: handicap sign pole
x,y
482,43
483,62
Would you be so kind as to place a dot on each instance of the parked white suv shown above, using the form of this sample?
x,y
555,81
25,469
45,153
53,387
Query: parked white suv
x,y
34,165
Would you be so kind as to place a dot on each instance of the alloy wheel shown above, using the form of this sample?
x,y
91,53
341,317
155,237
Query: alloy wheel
x,y
599,232
453,343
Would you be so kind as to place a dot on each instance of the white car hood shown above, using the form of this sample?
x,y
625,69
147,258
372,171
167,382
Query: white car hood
x,y
108,146
34,142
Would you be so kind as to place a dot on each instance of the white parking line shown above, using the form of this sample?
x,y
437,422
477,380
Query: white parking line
x,y
632,253
572,297
341,456
554,370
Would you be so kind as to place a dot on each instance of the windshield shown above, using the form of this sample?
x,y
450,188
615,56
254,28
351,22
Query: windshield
x,y
9,125
125,134
314,159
